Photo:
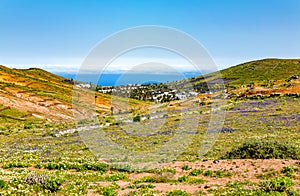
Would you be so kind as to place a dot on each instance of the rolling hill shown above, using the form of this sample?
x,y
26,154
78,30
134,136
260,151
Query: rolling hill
x,y
261,76
257,148
37,95
34,95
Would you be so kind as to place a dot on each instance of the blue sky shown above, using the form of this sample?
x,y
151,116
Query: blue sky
x,y
59,34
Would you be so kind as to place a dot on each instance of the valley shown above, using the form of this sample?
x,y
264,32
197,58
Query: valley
x,y
50,142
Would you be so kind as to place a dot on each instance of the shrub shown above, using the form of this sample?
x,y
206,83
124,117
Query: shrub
x,y
35,179
51,183
15,164
219,173
208,173
28,126
177,193
2,184
263,150
194,180
38,166
52,134
116,177
153,179
137,118
185,167
196,172
182,179
141,186
288,171
145,179
101,167
169,170
108,190
278,184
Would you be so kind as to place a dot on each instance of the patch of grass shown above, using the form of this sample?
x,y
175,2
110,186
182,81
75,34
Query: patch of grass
x,y
2,184
177,193
182,179
196,172
153,179
117,176
107,191
186,167
51,183
137,118
208,173
288,171
278,184
141,186
267,174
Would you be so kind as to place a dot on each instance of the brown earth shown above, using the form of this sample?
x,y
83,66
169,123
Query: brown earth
x,y
241,170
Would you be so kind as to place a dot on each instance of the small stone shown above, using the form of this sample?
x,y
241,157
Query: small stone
x,y
216,161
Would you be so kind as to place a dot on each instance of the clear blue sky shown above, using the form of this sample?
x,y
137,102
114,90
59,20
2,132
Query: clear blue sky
x,y
56,32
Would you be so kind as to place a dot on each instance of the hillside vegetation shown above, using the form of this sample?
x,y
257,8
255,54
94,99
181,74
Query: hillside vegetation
x,y
262,72
35,95
255,152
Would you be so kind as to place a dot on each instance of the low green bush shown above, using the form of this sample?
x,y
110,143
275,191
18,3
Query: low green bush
x,y
196,172
263,150
185,167
16,164
177,193
154,179
208,173
288,171
111,190
2,184
95,166
51,183
137,118
278,184
182,179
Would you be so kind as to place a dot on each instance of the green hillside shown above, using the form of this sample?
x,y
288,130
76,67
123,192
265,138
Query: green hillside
x,y
259,71
262,71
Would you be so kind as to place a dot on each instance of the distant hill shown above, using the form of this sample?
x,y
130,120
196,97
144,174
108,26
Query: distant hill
x,y
260,72
34,93
37,95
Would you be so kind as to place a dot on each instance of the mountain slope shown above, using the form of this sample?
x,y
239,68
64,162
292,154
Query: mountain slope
x,y
262,71
265,74
38,94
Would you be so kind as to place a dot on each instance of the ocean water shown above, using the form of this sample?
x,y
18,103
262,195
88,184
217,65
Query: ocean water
x,y
116,79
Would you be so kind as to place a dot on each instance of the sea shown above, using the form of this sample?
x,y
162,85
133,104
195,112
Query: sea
x,y
118,79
